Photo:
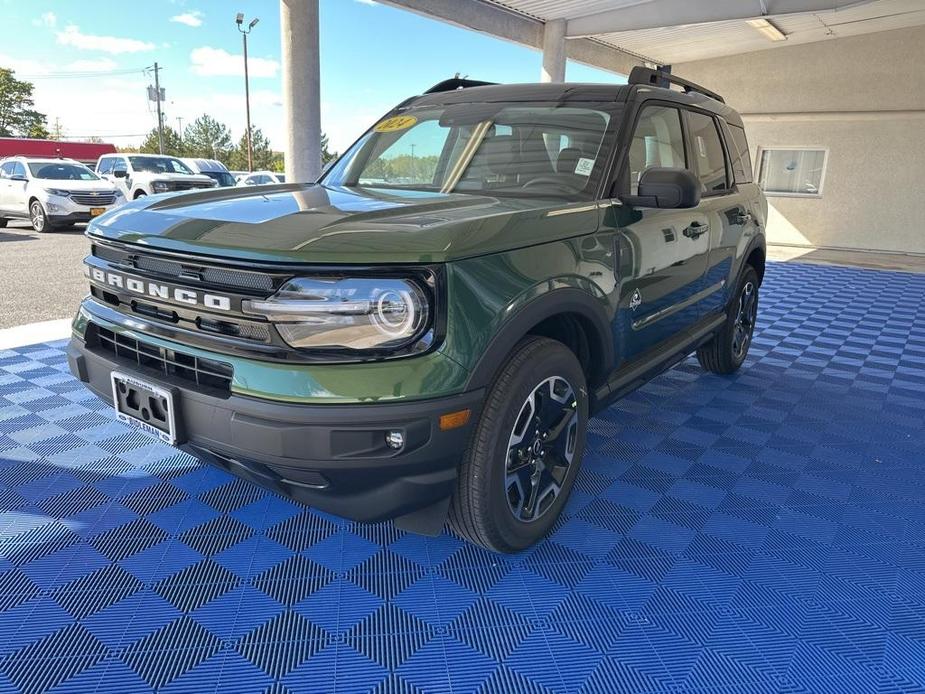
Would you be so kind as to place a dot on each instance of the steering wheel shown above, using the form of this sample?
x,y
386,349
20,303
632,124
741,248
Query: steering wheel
x,y
550,181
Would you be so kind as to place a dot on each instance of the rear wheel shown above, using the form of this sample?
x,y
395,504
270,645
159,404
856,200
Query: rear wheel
x,y
526,449
726,352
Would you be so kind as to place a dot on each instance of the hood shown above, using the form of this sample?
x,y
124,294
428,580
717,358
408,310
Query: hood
x,y
316,224
101,186
199,178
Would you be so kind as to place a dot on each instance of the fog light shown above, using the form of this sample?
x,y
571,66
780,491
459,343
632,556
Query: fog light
x,y
394,439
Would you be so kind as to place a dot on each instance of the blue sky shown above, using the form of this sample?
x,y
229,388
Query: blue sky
x,y
87,59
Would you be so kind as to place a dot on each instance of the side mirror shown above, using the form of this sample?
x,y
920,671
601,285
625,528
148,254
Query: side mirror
x,y
666,188
120,173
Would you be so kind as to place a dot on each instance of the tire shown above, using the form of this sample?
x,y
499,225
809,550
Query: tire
x,y
3,223
726,352
38,217
489,507
139,194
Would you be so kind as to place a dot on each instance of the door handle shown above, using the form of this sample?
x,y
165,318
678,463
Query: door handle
x,y
742,218
696,229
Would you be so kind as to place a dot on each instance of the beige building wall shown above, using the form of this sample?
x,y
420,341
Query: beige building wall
x,y
863,99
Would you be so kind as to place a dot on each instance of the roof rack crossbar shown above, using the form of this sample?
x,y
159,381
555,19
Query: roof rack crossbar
x,y
654,78
455,83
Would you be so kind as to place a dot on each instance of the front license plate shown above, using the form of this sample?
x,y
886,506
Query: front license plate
x,y
144,406
97,211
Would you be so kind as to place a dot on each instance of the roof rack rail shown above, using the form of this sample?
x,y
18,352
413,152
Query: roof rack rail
x,y
456,83
654,78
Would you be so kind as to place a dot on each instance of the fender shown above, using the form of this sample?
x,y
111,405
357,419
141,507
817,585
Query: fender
x,y
537,309
757,243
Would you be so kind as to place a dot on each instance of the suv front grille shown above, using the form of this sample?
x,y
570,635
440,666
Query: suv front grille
x,y
101,199
205,373
221,276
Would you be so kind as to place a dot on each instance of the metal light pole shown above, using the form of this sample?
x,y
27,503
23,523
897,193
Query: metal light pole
x,y
239,20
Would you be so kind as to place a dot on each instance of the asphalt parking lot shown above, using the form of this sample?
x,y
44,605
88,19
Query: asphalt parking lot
x,y
41,275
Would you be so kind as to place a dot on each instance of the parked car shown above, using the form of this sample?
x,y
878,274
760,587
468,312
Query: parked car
x,y
212,168
147,174
425,338
52,193
261,178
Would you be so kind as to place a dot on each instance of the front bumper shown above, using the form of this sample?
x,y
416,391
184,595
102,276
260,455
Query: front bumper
x,y
61,210
333,457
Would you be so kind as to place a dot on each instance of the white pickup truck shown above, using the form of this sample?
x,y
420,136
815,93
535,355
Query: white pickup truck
x,y
148,174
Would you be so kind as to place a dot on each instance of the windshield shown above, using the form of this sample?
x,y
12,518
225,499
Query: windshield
x,y
494,148
159,165
61,172
223,177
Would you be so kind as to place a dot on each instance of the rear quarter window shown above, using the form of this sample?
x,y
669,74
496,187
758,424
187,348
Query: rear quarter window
x,y
741,160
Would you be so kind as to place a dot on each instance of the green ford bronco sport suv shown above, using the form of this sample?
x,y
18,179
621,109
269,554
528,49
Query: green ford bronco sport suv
x,y
423,334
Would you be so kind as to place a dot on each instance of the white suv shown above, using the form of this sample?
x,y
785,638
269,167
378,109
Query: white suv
x,y
53,192
148,174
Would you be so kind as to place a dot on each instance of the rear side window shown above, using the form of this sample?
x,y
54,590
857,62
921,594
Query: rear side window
x,y
741,161
105,166
657,141
708,151
6,170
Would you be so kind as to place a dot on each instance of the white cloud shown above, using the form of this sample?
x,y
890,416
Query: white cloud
x,y
190,19
48,19
24,66
212,62
93,65
72,36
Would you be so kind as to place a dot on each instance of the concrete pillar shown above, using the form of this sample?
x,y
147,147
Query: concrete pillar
x,y
554,51
298,25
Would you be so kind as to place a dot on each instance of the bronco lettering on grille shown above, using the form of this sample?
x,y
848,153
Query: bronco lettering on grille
x,y
162,291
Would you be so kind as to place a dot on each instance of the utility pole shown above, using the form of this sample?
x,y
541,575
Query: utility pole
x,y
239,20
180,126
160,115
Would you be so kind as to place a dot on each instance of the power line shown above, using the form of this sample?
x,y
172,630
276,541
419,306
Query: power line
x,y
82,75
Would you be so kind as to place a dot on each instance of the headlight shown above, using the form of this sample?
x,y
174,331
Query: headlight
x,y
117,193
357,314
58,191
160,186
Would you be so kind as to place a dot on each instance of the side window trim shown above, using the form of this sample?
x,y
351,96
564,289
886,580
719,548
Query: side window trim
x,y
693,163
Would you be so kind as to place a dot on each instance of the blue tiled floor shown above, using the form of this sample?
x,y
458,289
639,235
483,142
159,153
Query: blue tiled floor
x,y
764,532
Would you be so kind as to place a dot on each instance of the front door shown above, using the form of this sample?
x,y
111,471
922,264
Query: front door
x,y
15,195
662,254
6,185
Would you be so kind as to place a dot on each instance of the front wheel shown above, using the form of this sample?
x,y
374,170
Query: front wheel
x,y
38,217
726,352
526,449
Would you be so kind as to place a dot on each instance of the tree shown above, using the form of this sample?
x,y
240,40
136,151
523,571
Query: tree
x,y
260,146
326,156
38,131
172,142
17,115
208,139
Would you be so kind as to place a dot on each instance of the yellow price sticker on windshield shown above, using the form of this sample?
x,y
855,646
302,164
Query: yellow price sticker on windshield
x,y
395,123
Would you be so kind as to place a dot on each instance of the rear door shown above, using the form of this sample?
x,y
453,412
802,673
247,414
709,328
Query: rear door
x,y
723,203
662,254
